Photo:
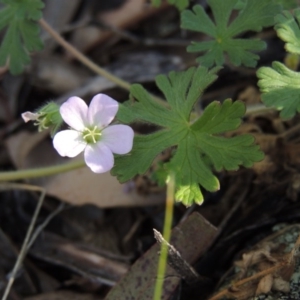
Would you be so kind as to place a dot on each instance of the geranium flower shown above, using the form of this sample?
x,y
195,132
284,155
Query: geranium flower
x,y
90,132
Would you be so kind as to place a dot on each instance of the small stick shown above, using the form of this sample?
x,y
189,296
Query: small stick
x,y
23,251
176,261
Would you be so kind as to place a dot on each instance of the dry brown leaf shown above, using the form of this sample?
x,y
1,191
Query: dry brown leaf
x,y
139,282
245,128
278,125
293,187
267,142
82,186
281,285
292,152
263,167
254,257
23,143
57,75
128,14
264,285
78,187
250,95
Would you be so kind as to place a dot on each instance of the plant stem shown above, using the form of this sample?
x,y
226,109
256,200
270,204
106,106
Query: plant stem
x,y
82,58
162,263
89,63
40,172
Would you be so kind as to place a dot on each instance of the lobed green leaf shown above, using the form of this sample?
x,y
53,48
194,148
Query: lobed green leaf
x,y
288,30
22,34
219,118
253,16
280,88
196,148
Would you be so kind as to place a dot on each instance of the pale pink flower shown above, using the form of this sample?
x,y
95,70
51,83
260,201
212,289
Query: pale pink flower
x,y
90,132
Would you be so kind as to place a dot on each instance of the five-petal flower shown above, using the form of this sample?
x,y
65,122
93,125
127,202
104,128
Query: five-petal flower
x,y
90,132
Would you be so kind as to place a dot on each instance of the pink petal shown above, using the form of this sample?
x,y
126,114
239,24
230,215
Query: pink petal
x,y
118,138
99,158
102,110
74,113
69,143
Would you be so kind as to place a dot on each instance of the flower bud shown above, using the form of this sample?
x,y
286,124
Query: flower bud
x,y
48,116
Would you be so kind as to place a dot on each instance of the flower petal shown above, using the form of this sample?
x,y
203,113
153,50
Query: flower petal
x,y
69,143
29,116
99,158
118,138
102,110
74,113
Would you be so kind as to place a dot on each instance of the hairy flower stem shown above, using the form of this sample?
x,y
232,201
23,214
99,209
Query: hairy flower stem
x,y
40,172
162,263
87,62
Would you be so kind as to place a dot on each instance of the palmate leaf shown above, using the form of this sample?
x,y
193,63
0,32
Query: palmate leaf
x,y
22,34
280,85
288,30
280,88
285,4
198,146
253,16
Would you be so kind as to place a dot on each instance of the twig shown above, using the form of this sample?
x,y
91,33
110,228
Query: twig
x,y
290,132
142,41
255,109
40,228
90,64
23,251
183,268
270,270
86,61
236,205
248,279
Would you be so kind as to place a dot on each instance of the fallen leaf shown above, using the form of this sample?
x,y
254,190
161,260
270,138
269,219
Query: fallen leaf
x,y
250,95
78,187
281,285
139,282
264,285
128,14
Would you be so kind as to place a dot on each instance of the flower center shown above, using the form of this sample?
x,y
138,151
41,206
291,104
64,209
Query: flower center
x,y
92,135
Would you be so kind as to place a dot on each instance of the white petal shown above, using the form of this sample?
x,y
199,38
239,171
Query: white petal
x,y
69,143
29,116
118,138
74,113
99,158
102,110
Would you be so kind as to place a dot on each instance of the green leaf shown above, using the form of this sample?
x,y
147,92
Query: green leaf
x,y
22,34
180,4
288,4
285,4
253,16
197,145
288,30
280,88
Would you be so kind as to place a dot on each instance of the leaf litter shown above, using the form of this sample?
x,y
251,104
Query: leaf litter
x,y
66,257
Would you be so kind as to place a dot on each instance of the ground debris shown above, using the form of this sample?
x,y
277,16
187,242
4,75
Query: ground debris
x,y
268,272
